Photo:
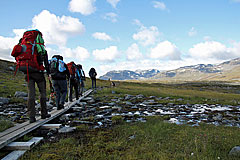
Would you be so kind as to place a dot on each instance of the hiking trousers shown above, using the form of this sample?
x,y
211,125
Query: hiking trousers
x,y
73,84
41,83
93,82
60,87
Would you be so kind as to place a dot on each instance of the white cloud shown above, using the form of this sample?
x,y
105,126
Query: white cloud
x,y
106,55
159,5
58,29
192,32
101,36
214,50
85,7
76,54
133,52
111,17
7,44
165,50
146,36
113,2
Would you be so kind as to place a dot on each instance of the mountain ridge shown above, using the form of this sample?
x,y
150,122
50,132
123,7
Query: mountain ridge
x,y
226,71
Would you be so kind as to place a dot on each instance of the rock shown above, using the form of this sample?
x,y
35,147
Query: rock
x,y
111,104
81,104
11,68
105,107
66,129
78,122
77,109
128,97
4,100
132,137
140,96
235,151
20,94
166,98
179,99
129,103
218,117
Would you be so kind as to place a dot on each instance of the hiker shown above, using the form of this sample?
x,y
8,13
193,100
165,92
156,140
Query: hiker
x,y
93,74
82,78
30,55
73,81
59,72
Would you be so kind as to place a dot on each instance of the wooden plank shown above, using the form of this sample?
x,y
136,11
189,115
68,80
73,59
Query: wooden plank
x,y
19,146
50,126
14,155
36,140
12,134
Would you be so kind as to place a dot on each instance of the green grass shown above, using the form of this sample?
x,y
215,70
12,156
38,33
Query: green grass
x,y
154,139
191,93
5,124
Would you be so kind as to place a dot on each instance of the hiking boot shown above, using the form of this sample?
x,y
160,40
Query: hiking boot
x,y
32,119
60,106
45,116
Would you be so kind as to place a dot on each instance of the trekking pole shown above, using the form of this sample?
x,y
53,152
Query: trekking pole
x,y
69,89
51,89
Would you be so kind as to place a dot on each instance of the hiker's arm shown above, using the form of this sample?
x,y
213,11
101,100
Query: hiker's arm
x,y
46,64
83,74
67,71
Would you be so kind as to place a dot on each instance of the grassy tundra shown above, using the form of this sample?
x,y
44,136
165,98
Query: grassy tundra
x,y
154,139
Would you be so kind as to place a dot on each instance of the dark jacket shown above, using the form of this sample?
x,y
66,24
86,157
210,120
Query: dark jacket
x,y
92,73
61,75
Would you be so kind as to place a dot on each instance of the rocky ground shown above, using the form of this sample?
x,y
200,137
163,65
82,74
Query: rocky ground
x,y
100,112
104,112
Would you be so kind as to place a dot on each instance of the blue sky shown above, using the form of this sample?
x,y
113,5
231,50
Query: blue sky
x,y
127,34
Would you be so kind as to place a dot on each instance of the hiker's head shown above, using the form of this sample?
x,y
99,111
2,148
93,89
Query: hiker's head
x,y
58,57
80,66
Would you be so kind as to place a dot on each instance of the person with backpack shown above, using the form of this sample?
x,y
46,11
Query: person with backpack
x,y
30,55
82,78
59,75
93,74
73,80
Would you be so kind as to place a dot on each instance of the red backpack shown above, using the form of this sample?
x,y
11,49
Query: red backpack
x,y
27,52
72,68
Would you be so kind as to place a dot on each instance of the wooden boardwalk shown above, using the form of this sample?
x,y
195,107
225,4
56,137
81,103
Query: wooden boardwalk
x,y
20,130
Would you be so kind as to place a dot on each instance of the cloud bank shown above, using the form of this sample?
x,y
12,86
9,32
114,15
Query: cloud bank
x,y
85,7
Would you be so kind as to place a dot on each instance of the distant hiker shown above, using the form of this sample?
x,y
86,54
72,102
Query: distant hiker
x,y
30,54
59,72
82,78
112,84
73,82
93,74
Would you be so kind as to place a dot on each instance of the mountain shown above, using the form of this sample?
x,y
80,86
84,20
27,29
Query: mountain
x,y
226,71
128,75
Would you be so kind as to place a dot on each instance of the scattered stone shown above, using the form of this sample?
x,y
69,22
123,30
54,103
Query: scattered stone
x,y
235,151
11,68
132,137
4,100
19,94
66,129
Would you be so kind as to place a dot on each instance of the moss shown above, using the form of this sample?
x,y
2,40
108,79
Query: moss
x,y
5,124
117,119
